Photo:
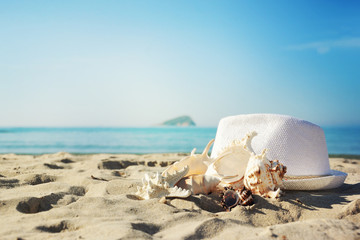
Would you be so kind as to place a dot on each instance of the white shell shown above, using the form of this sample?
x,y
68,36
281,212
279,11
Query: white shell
x,y
197,163
159,186
200,184
175,177
264,177
230,165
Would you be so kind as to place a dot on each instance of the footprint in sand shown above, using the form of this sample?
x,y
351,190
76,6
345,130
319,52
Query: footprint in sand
x,y
39,179
58,227
34,179
115,164
350,209
9,183
45,203
118,173
53,166
148,228
60,164
209,228
122,164
66,161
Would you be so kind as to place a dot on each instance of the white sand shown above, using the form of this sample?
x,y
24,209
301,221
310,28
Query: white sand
x,y
55,197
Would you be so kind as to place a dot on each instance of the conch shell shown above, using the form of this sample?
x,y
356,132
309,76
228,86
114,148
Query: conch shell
x,y
264,177
199,184
163,186
197,163
231,164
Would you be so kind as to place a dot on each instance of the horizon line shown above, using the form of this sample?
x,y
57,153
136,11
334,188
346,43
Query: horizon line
x,y
149,126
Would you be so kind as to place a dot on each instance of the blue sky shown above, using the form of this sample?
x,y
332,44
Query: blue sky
x,y
138,63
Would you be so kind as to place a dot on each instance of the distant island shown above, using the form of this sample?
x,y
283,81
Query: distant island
x,y
183,121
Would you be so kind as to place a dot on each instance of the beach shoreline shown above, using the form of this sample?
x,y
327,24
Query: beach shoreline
x,y
91,196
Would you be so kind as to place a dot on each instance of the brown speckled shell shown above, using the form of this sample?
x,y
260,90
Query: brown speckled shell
x,y
246,198
231,198
264,177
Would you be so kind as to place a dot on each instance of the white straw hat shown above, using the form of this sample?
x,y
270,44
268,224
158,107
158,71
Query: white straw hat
x,y
298,144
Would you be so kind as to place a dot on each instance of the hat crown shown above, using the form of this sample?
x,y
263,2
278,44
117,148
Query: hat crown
x,y
298,144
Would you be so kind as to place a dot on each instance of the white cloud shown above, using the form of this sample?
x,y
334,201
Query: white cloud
x,y
323,47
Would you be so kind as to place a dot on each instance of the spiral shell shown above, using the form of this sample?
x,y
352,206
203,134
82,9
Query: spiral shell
x,y
229,198
246,198
264,177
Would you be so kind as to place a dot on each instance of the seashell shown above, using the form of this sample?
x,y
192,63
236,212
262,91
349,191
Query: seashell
x,y
159,186
229,198
230,165
264,177
204,184
198,163
277,171
246,198
235,185
176,176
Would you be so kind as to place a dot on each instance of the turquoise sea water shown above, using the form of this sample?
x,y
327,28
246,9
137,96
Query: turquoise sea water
x,y
341,140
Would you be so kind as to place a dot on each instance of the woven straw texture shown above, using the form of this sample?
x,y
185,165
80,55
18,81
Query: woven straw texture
x,y
336,179
298,144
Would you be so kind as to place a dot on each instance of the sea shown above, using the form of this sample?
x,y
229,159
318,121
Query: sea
x,y
139,140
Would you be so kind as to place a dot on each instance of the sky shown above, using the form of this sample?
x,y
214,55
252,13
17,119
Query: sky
x,y
139,63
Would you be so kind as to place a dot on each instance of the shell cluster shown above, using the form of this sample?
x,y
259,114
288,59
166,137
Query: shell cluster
x,y
237,172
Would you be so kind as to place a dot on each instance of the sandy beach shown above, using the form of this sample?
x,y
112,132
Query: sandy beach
x,y
64,196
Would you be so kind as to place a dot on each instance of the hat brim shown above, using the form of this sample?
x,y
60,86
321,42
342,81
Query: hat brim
x,y
334,180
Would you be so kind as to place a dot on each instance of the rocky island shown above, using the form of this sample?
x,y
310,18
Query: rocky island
x,y
182,121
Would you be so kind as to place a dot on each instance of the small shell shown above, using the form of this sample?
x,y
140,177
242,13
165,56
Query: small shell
x,y
199,184
246,198
229,199
231,164
197,163
264,177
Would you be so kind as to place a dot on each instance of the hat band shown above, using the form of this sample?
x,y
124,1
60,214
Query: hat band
x,y
287,177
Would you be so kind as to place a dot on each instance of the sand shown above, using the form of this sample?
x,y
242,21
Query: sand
x,y
64,196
